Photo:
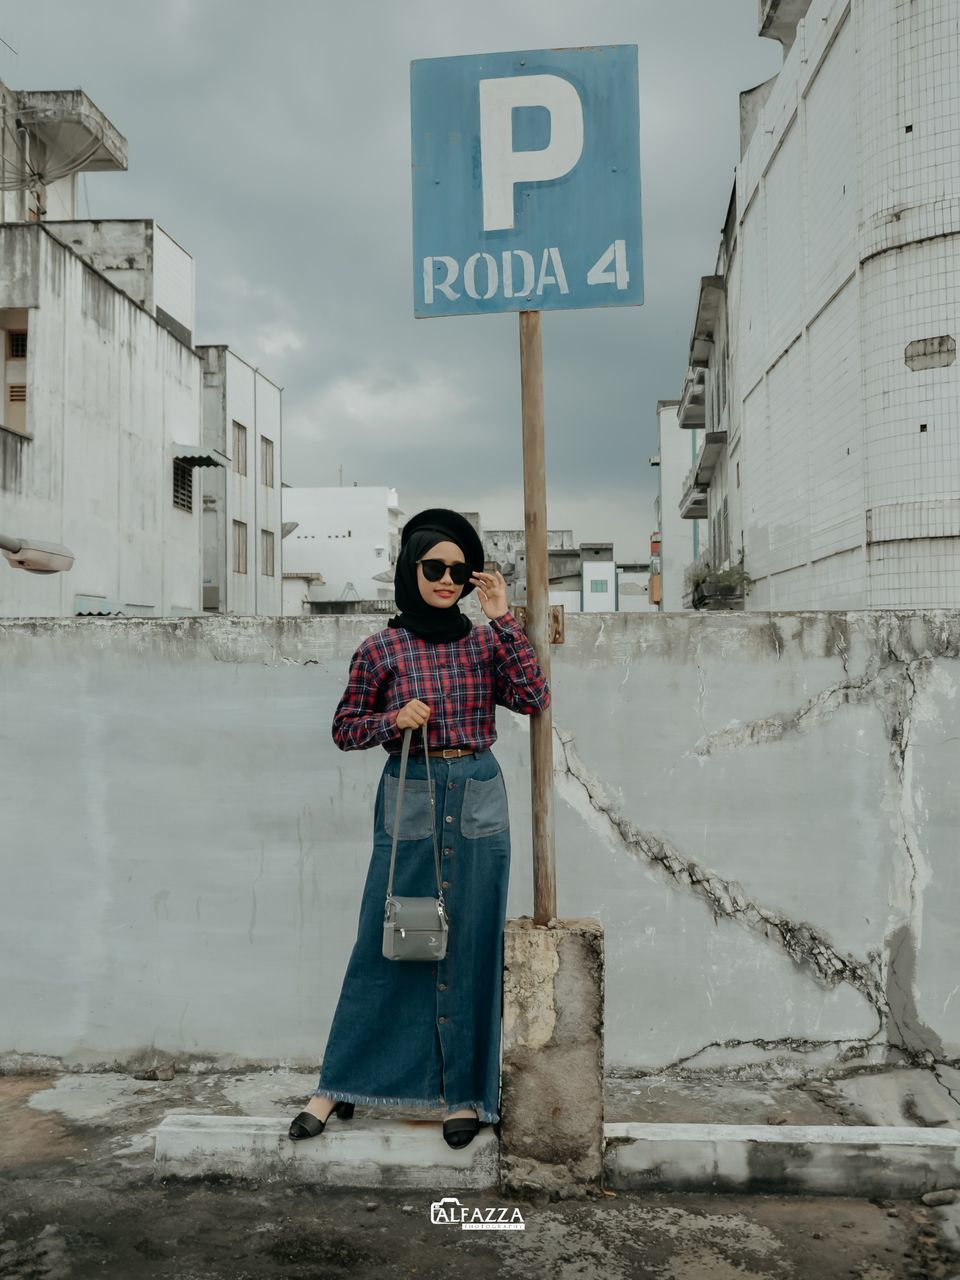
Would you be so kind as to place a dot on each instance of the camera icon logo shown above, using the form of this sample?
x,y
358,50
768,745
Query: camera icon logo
x,y
447,1210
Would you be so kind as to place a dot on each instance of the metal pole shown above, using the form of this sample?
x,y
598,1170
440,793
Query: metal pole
x,y
538,613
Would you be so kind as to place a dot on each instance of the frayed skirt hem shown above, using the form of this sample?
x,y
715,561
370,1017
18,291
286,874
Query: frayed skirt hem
x,y
342,1095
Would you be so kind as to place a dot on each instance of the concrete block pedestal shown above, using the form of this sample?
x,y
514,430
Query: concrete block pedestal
x,y
551,1139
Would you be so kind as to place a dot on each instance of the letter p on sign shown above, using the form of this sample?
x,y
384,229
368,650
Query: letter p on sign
x,y
502,167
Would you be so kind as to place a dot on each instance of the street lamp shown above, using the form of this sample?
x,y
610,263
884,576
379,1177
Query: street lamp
x,y
36,557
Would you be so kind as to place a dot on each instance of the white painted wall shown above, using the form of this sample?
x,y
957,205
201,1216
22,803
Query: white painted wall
x,y
174,282
109,392
633,593
569,599
346,535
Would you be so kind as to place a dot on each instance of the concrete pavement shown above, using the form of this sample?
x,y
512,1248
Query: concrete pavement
x,y
79,1196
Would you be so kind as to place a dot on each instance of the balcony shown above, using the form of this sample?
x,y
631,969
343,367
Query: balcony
x,y
709,310
73,132
692,412
711,451
779,20
711,589
693,504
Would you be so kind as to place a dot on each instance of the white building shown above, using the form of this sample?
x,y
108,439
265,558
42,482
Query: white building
x,y
598,578
826,336
574,572
633,588
242,571
679,529
102,431
342,553
109,420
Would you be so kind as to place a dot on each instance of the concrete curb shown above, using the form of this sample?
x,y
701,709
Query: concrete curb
x,y
354,1153
814,1159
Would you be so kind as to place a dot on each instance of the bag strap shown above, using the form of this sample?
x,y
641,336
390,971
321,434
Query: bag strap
x,y
404,754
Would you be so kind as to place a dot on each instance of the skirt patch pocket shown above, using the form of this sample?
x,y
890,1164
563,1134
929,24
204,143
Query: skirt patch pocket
x,y
416,812
484,810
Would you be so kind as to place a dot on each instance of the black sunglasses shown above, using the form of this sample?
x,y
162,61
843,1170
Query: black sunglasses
x,y
433,571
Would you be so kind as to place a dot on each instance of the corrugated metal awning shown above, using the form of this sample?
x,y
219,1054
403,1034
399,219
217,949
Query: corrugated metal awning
x,y
195,455
97,607
101,607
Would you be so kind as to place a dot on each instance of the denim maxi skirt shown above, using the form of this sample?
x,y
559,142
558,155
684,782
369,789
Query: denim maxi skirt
x,y
418,1033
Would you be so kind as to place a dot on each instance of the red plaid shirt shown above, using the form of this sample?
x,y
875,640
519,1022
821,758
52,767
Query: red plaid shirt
x,y
461,682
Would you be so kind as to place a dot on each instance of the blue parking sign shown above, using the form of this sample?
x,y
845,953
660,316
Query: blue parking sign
x,y
526,181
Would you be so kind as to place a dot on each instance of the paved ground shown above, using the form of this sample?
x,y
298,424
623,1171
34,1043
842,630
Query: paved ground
x,y
78,1199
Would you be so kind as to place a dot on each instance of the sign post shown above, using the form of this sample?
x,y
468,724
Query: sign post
x,y
526,197
538,612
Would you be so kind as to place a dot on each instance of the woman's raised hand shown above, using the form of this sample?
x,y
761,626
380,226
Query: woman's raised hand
x,y
413,715
491,592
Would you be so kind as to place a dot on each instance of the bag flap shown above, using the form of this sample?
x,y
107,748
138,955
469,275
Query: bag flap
x,y
416,913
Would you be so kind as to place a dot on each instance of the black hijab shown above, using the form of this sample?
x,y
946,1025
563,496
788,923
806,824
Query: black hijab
x,y
420,533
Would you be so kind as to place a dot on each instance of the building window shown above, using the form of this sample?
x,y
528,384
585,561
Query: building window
x,y
266,552
17,344
182,485
599,585
239,547
17,391
240,450
266,462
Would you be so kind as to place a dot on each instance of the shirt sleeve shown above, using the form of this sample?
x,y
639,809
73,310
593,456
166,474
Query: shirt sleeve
x,y
520,682
359,720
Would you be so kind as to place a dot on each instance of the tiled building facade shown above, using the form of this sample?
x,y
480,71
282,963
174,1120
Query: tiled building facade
x,y
829,372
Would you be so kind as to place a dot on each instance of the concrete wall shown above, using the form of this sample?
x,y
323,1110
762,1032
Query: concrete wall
x,y
762,811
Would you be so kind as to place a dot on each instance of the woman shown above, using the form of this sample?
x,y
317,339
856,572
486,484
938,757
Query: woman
x,y
421,1033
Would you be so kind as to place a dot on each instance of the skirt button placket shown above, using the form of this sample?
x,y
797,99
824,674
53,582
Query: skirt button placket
x,y
442,986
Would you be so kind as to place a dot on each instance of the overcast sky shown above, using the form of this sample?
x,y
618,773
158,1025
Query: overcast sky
x,y
272,141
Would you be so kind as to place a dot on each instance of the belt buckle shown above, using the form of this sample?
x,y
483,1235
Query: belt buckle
x,y
450,753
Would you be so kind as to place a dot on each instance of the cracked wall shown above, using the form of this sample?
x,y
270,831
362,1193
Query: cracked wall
x,y
769,772
762,810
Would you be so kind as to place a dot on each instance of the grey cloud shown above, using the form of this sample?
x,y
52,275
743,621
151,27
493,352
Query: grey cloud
x,y
274,144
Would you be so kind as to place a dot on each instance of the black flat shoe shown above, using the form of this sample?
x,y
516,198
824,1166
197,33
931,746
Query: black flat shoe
x,y
307,1125
460,1131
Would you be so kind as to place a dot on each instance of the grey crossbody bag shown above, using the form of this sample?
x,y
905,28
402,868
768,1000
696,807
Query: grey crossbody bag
x,y
414,928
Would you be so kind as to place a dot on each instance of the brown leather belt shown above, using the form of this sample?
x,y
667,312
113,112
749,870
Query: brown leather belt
x,y
453,753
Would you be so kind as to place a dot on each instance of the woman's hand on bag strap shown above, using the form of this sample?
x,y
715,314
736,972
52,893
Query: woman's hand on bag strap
x,y
413,715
